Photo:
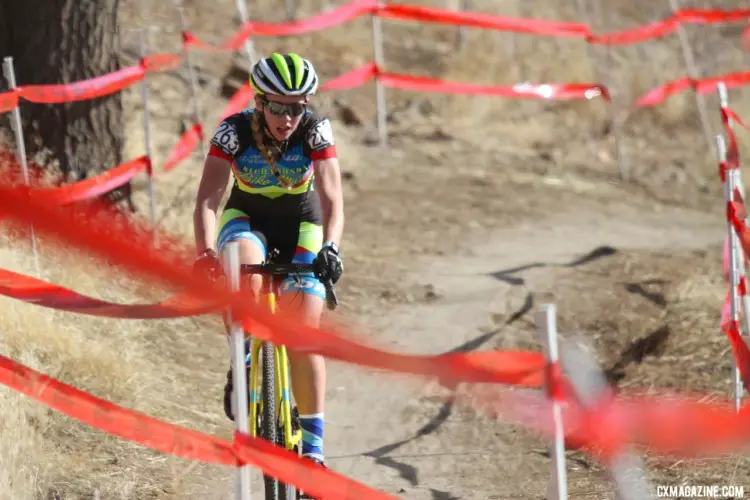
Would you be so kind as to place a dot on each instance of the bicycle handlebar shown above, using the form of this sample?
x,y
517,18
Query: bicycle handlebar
x,y
291,268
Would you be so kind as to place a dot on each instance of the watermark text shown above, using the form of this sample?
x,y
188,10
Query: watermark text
x,y
700,491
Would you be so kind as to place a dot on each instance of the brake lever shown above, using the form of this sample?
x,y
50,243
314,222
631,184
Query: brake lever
x,y
331,300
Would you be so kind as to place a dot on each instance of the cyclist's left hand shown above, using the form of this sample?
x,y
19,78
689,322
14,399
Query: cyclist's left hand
x,y
328,265
208,266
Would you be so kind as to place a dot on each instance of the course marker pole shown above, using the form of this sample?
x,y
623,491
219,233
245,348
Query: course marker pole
x,y
249,45
590,386
546,326
143,44
240,409
15,124
193,81
721,149
377,43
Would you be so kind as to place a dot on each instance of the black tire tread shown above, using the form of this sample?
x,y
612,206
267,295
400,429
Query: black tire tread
x,y
268,427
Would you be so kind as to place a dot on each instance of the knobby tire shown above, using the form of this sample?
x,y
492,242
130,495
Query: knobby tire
x,y
268,427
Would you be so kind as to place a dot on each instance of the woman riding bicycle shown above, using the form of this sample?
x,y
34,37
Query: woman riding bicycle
x,y
287,196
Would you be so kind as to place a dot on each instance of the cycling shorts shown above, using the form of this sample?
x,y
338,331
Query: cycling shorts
x,y
296,241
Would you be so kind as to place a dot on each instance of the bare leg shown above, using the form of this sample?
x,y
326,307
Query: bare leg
x,y
309,379
309,370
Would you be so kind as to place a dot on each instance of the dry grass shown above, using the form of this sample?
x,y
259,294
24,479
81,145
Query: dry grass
x,y
26,468
129,362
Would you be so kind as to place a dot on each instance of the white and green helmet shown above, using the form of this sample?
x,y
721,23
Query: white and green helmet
x,y
284,74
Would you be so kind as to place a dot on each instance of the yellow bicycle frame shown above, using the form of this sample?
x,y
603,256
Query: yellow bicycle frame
x,y
283,384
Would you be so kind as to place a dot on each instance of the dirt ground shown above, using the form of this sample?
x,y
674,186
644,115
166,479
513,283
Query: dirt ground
x,y
479,211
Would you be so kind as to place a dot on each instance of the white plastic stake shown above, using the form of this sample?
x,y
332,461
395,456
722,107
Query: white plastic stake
x,y
692,70
515,44
231,261
147,135
736,253
249,46
197,115
377,44
546,326
721,149
590,386
291,10
622,159
463,6
10,75
724,102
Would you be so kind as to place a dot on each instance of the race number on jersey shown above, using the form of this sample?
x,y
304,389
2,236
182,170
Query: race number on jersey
x,y
226,139
321,136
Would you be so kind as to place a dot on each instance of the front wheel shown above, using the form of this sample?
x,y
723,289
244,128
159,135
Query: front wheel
x,y
268,424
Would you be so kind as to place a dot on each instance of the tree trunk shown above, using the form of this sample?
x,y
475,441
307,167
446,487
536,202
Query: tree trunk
x,y
62,41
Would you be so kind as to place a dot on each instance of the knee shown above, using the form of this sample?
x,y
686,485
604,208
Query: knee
x,y
251,251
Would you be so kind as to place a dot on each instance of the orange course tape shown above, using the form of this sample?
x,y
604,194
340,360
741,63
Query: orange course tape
x,y
130,247
180,441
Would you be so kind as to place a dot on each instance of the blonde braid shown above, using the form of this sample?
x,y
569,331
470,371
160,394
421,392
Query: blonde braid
x,y
261,144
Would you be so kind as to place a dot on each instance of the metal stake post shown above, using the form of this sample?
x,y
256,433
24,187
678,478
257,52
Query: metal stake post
x,y
193,81
15,123
377,42
557,488
231,259
249,46
147,136
693,72
721,149
736,253
590,385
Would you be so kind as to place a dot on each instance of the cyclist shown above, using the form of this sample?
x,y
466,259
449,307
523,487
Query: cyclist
x,y
286,195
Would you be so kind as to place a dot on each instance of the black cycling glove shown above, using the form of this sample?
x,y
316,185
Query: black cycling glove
x,y
207,264
328,265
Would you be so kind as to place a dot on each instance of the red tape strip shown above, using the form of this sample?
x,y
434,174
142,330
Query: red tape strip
x,y
31,290
487,21
184,147
83,90
541,27
96,186
130,247
107,84
8,101
180,441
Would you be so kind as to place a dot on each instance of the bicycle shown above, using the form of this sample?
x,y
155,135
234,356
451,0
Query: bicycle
x,y
276,423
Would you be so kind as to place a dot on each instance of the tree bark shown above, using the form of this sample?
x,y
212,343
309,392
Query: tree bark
x,y
63,41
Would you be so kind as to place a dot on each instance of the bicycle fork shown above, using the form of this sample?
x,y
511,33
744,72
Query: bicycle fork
x,y
254,393
282,387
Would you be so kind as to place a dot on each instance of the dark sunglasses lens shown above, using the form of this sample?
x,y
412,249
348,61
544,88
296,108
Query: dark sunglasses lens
x,y
280,109
297,109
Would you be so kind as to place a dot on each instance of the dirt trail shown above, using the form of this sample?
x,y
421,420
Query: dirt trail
x,y
378,430
393,433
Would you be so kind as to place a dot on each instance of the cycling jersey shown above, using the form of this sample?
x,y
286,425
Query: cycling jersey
x,y
255,183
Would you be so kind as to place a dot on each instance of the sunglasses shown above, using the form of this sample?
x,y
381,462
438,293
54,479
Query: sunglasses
x,y
281,109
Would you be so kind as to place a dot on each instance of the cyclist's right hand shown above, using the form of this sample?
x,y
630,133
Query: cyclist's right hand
x,y
208,265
